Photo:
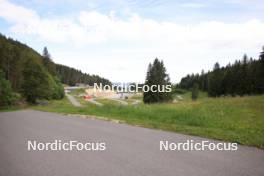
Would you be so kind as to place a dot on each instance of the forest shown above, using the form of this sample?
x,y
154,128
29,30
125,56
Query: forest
x,y
71,76
24,73
243,77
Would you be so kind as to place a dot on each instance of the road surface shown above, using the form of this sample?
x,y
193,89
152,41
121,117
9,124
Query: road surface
x,y
130,151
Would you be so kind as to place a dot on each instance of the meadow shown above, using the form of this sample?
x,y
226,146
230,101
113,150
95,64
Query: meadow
x,y
234,119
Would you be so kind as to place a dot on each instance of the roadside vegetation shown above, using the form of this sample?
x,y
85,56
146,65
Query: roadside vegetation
x,y
235,119
7,96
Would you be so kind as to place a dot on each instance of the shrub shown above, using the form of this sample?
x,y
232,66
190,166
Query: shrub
x,y
37,82
7,97
58,92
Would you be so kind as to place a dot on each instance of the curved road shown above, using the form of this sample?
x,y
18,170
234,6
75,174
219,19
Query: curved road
x,y
130,151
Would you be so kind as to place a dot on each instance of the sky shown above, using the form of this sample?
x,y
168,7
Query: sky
x,y
117,39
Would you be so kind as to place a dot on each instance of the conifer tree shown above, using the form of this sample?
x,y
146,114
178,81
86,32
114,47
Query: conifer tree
x,y
48,63
260,73
156,75
195,91
215,81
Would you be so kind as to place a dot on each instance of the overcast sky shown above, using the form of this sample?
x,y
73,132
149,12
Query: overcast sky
x,y
117,39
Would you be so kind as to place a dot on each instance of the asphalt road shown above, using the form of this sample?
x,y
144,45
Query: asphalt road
x,y
130,151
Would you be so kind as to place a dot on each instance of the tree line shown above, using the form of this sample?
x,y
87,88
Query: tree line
x,y
243,77
71,76
68,75
33,76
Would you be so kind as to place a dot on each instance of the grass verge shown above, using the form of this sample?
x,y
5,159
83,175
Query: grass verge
x,y
239,119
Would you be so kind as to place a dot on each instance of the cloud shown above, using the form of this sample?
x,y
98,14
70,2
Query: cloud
x,y
133,37
94,27
16,14
193,5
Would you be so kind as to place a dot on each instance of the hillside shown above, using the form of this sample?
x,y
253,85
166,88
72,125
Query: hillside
x,y
35,76
13,53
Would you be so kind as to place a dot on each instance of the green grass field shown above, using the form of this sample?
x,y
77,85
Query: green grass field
x,y
239,119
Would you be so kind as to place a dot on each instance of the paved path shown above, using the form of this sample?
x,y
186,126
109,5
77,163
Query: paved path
x,y
73,100
131,151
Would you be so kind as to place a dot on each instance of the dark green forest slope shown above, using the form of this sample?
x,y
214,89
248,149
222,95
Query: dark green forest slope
x,y
34,76
244,77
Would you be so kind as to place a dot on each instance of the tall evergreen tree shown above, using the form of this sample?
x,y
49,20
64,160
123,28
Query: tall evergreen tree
x,y
48,63
260,73
195,91
215,81
156,75
244,74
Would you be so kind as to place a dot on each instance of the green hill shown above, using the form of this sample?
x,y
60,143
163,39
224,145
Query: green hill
x,y
34,76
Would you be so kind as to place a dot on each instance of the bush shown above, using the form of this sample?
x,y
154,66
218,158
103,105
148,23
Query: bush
x,y
7,97
37,82
58,92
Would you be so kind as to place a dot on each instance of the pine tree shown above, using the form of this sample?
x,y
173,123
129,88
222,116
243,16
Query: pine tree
x,y
201,81
48,63
244,74
260,73
215,81
156,75
195,91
